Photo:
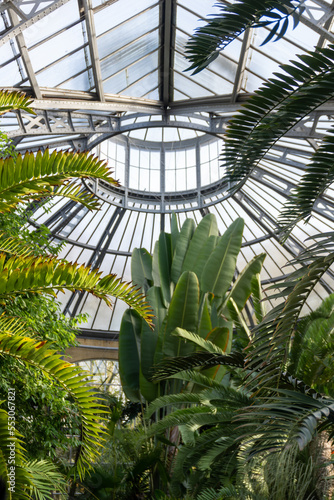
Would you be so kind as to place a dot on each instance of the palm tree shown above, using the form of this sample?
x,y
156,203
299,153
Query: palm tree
x,y
23,179
279,105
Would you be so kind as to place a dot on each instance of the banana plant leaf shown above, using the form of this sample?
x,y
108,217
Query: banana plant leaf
x,y
129,354
181,248
165,263
242,288
141,268
220,267
183,313
206,228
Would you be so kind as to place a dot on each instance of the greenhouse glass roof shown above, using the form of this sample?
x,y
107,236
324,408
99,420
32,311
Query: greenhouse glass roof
x,y
110,76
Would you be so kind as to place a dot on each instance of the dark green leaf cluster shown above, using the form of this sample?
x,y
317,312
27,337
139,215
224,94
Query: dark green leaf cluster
x,y
221,29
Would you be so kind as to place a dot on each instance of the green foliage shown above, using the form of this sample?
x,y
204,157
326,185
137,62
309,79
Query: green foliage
x,y
290,95
14,100
31,177
266,448
312,347
27,272
45,479
188,286
233,20
274,109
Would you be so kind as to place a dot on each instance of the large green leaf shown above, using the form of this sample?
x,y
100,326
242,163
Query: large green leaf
x,y
222,338
154,299
165,265
203,256
141,268
242,288
257,298
183,313
205,325
174,229
206,228
155,265
220,267
181,248
129,354
148,389
149,337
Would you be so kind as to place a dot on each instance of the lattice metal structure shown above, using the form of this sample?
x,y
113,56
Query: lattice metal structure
x,y
109,76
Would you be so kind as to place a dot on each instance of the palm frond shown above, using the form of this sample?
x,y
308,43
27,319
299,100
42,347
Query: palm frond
x,y
318,176
72,379
12,455
268,357
32,176
200,359
276,108
20,275
45,479
221,29
290,417
14,246
15,100
199,341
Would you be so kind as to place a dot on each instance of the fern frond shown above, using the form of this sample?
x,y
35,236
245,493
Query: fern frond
x,y
14,246
267,360
318,176
199,341
204,359
12,454
291,417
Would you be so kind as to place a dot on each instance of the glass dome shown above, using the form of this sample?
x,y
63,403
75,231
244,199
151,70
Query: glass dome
x,y
109,76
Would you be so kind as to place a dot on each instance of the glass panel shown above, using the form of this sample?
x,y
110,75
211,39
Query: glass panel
x,y
57,47
57,20
129,55
65,69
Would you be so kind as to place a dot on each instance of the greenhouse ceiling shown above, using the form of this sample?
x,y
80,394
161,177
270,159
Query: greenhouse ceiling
x,y
111,77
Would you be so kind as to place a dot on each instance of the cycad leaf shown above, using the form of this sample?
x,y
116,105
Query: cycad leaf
x,y
203,47
32,176
274,109
318,176
39,355
15,100
19,275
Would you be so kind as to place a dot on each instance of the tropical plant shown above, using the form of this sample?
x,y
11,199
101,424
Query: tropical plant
x,y
293,93
286,420
21,272
233,20
188,285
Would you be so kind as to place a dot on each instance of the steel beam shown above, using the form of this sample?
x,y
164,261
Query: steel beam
x,y
241,64
167,40
94,56
29,19
25,55
98,255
